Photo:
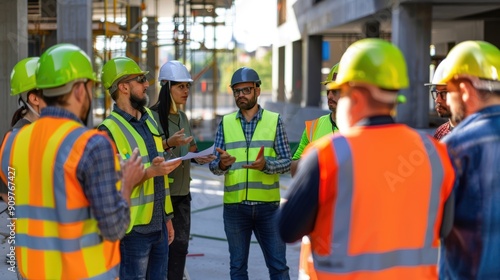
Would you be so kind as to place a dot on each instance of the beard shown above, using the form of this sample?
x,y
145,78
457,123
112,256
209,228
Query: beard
x,y
138,103
246,106
86,112
459,114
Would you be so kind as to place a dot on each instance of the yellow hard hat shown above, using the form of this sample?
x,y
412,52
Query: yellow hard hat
x,y
372,61
438,75
332,75
472,58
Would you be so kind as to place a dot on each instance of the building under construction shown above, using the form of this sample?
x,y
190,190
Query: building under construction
x,y
311,37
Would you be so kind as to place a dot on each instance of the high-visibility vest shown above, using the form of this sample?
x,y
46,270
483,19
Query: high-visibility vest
x,y
319,127
380,209
249,184
56,235
126,140
315,129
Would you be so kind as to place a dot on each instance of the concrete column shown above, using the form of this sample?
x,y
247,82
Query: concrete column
x,y
13,47
151,60
312,47
74,26
296,72
48,10
281,74
411,32
134,42
491,33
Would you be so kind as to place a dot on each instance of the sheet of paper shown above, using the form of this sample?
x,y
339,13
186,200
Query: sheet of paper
x,y
203,153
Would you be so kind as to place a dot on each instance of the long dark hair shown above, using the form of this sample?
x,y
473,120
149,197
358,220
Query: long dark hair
x,y
23,110
164,104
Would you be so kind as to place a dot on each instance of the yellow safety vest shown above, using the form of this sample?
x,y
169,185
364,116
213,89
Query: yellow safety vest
x,y
126,140
248,184
56,235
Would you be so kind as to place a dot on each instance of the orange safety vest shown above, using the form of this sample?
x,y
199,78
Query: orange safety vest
x,y
381,202
56,235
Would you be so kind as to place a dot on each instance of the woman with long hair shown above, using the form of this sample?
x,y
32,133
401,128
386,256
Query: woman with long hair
x,y
175,84
23,84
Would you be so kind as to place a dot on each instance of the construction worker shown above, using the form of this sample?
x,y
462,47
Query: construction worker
x,y
252,150
439,92
321,126
23,85
315,129
174,125
70,212
144,249
471,75
371,197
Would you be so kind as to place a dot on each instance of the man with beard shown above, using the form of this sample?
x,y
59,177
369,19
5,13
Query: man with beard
x,y
372,196
438,92
144,249
71,207
252,150
471,251
321,126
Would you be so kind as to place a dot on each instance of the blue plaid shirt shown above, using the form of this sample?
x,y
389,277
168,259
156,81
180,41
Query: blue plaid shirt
x,y
97,175
283,155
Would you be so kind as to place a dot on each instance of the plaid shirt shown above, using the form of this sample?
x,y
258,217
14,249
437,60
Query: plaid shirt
x,y
97,175
442,130
283,155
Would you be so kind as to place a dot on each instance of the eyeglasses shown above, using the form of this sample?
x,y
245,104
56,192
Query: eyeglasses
x,y
141,79
435,93
245,91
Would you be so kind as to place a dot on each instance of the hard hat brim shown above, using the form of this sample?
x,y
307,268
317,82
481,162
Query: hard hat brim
x,y
333,85
431,84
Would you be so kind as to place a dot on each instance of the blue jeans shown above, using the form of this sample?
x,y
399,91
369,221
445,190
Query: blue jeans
x,y
144,256
239,222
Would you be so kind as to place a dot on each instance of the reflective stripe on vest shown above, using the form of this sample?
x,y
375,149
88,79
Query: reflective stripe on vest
x,y
248,184
56,235
319,127
127,139
340,261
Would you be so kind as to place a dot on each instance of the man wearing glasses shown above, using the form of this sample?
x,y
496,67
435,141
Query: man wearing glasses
x,y
144,249
438,92
252,150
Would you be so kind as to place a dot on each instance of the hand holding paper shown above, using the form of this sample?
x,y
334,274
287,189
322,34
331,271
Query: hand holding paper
x,y
202,154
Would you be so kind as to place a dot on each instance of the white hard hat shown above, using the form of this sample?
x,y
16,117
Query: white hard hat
x,y
438,75
174,71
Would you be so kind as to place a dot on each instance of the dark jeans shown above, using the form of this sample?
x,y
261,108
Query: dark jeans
x,y
144,256
182,226
239,222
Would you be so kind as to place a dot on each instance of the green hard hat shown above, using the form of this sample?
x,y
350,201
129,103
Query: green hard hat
x,y
23,76
60,65
118,67
332,75
372,61
472,58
